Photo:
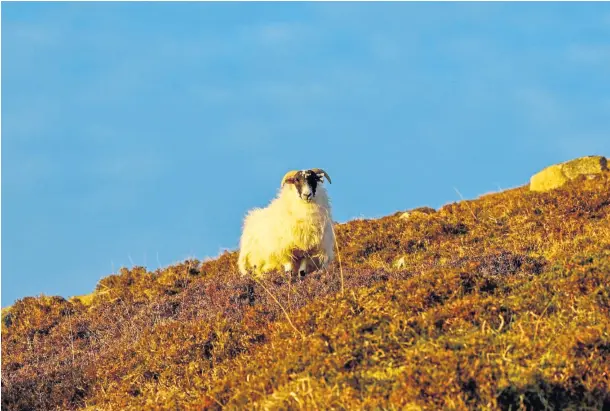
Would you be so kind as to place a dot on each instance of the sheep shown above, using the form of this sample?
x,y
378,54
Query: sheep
x,y
293,232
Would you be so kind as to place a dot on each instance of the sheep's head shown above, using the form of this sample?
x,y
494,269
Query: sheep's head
x,y
305,181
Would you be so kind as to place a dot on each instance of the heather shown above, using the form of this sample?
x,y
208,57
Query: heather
x,y
502,302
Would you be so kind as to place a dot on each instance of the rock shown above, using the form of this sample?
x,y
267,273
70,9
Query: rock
x,y
420,210
548,179
585,165
558,174
400,263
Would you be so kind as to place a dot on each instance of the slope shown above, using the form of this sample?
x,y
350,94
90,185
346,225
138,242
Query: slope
x,y
502,302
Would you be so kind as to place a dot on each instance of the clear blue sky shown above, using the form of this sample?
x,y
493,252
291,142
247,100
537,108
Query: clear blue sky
x,y
142,132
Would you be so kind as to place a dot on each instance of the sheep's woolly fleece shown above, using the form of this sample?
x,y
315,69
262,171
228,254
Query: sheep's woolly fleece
x,y
271,235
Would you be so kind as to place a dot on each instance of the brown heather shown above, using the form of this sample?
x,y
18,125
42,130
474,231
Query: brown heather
x,y
498,303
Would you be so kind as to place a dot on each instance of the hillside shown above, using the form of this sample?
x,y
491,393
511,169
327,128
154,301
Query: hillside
x,y
502,302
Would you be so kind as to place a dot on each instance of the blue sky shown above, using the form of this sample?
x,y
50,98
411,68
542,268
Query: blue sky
x,y
141,133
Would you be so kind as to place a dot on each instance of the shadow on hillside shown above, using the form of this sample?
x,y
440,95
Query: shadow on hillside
x,y
544,395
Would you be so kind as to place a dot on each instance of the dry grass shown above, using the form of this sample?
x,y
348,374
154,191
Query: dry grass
x,y
498,303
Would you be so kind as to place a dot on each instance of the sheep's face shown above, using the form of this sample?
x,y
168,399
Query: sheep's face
x,y
306,183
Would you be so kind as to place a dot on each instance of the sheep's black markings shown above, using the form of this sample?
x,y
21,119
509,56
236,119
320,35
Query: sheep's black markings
x,y
306,177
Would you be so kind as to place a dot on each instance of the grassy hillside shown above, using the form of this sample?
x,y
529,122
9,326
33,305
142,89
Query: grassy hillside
x,y
498,303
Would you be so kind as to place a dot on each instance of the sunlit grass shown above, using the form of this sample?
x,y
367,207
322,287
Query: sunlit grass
x,y
497,303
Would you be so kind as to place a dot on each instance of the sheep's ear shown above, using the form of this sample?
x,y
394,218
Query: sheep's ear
x,y
289,177
289,180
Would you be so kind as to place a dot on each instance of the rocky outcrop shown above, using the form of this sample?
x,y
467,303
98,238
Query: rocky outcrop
x,y
558,174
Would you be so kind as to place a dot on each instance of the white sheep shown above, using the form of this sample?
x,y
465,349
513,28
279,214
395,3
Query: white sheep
x,y
294,232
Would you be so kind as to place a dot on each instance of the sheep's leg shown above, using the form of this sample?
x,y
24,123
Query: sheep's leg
x,y
303,267
294,267
288,267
